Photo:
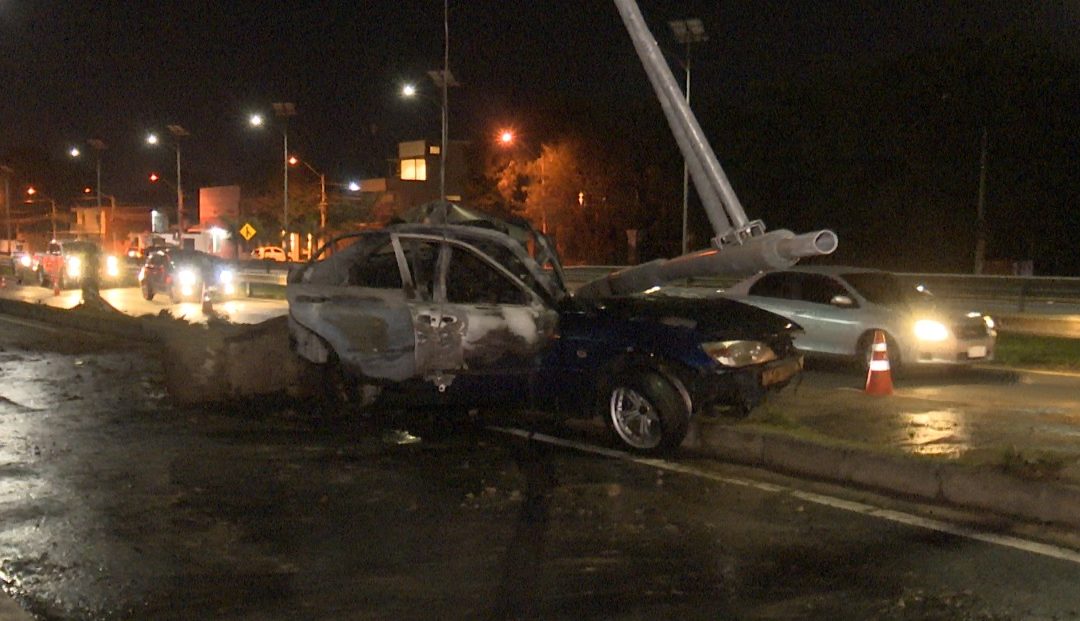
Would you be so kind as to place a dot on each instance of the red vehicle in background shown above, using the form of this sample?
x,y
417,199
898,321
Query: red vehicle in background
x,y
68,264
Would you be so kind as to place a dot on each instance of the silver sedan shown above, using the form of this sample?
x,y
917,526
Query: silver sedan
x,y
839,308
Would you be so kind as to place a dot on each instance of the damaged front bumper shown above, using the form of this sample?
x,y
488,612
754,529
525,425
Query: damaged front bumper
x,y
742,389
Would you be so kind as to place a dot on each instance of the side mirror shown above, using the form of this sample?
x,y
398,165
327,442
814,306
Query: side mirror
x,y
842,301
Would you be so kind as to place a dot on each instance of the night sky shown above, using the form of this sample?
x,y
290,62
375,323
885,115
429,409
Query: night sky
x,y
113,70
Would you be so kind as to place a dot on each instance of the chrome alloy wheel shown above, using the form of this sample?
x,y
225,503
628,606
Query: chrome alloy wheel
x,y
635,419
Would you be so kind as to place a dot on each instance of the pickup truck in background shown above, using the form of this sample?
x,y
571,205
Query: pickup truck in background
x,y
67,264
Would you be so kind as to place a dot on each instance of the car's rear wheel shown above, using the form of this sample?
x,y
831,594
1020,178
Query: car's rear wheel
x,y
147,290
645,412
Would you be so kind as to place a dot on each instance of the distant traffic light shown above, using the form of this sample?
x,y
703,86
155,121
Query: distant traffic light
x,y
154,177
87,190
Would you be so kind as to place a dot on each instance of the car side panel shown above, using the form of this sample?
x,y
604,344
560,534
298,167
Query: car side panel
x,y
370,330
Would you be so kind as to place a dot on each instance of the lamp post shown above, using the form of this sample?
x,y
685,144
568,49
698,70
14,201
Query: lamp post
x,y
8,172
322,192
688,32
177,132
282,110
32,192
98,146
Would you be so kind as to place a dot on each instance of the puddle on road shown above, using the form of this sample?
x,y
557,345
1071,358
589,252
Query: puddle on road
x,y
938,432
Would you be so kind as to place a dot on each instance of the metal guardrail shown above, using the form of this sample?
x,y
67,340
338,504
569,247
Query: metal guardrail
x,y
1015,294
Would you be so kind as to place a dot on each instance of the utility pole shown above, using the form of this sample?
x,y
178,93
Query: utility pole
x,y
980,208
7,197
687,31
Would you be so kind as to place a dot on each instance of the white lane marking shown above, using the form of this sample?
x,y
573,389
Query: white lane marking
x,y
907,519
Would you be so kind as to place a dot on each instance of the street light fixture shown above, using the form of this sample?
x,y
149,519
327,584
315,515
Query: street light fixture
x,y
177,132
98,146
688,32
410,91
322,192
282,110
41,198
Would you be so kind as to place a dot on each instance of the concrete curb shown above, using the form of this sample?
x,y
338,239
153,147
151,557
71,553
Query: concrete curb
x,y
104,320
971,487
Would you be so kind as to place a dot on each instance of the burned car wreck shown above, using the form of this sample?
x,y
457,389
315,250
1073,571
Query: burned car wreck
x,y
463,315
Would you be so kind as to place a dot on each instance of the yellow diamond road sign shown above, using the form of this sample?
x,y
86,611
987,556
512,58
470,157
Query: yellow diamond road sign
x,y
247,231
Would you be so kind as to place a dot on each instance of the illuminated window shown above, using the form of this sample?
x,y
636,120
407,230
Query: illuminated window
x,y
414,169
434,149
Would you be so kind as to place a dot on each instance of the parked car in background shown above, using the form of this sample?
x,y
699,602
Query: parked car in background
x,y
839,308
186,275
269,253
67,264
463,315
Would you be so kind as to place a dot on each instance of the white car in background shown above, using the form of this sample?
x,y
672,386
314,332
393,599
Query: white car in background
x,y
269,253
839,308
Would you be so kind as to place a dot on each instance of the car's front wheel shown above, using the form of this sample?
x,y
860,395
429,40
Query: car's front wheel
x,y
147,290
645,412
174,294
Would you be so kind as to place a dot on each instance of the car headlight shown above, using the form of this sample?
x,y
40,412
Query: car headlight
x,y
989,321
930,330
74,267
225,277
186,277
25,260
739,353
112,266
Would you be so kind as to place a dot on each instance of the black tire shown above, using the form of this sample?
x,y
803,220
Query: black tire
x,y
645,413
42,278
864,351
174,294
147,290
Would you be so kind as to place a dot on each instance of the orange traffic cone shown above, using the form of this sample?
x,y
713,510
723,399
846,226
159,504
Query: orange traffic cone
x,y
879,377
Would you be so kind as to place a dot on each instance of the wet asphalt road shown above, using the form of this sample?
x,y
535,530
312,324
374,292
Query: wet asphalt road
x,y
115,505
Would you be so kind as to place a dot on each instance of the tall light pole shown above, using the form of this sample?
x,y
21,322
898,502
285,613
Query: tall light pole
x,y
98,146
177,132
688,32
322,192
282,110
41,198
7,172
980,207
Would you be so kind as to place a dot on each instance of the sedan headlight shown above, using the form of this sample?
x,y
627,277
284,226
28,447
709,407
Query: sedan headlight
x,y
112,266
74,267
186,277
930,330
739,353
989,321
25,260
225,277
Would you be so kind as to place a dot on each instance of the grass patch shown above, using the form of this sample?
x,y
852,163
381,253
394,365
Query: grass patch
x,y
1040,466
1032,351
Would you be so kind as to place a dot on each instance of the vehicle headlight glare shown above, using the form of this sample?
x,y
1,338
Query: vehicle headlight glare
x,y
225,277
989,321
112,266
739,353
25,260
74,267
186,277
930,330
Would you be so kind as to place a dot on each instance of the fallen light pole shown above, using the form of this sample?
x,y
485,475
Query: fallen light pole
x,y
741,246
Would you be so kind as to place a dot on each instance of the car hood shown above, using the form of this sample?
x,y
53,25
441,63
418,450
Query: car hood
x,y
714,317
